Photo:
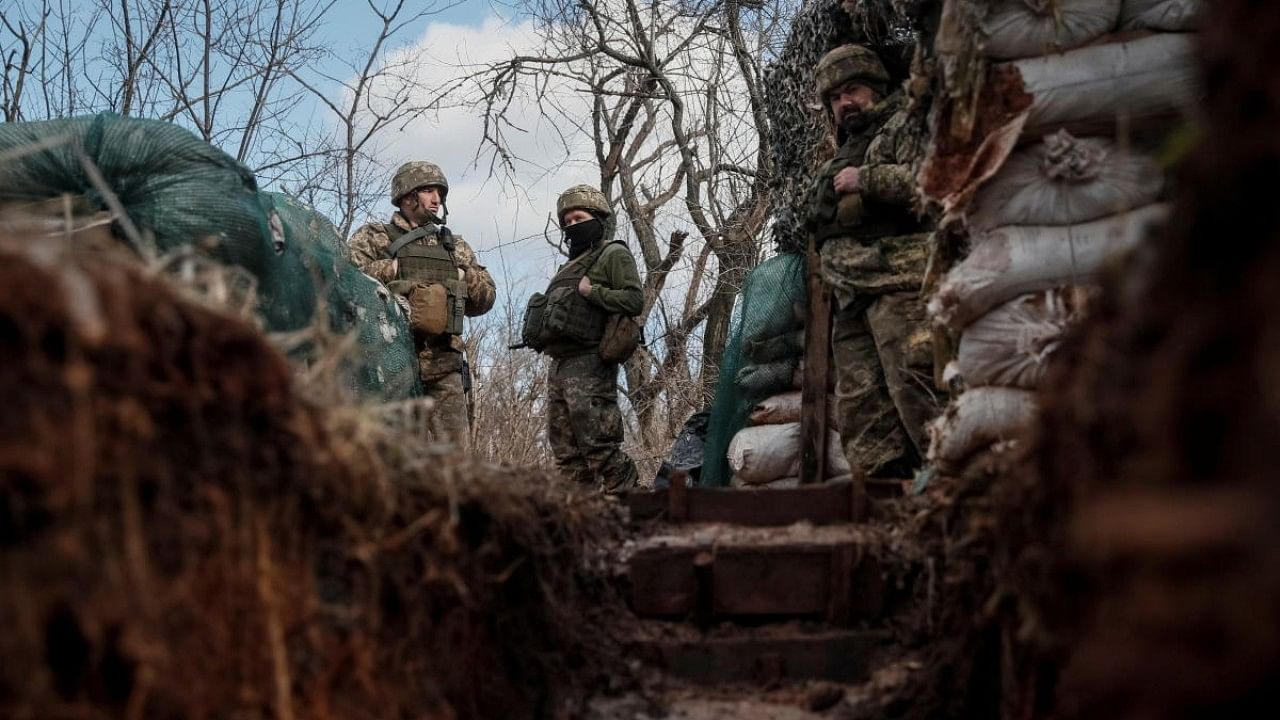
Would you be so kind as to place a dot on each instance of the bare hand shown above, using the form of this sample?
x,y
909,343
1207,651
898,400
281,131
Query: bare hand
x,y
584,286
847,181
395,268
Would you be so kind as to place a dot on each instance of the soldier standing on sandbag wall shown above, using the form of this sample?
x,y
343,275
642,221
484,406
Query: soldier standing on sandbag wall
x,y
874,251
436,279
576,322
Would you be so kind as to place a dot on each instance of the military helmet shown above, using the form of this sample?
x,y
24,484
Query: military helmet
x,y
849,62
413,175
582,197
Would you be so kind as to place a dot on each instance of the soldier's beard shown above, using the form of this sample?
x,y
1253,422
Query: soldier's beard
x,y
854,123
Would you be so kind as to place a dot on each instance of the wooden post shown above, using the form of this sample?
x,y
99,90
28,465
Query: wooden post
x,y
678,497
813,389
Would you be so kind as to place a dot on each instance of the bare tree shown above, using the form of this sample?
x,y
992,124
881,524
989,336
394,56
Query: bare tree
x,y
253,77
669,96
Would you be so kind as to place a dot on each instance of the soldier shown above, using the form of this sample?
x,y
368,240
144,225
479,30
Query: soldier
x,y
436,278
874,251
584,424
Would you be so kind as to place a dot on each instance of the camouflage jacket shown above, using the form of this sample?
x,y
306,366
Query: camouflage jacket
x,y
367,249
872,240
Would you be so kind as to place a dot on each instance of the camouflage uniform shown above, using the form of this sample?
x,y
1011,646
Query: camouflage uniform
x,y
584,423
874,253
440,357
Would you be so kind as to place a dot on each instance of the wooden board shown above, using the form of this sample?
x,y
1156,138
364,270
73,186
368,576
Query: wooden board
x,y
825,504
837,656
833,582
813,388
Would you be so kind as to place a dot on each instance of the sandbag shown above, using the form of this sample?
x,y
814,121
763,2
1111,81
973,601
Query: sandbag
x,y
779,484
1066,180
1166,15
763,350
1029,28
978,419
173,185
1013,261
766,379
1010,346
1091,87
785,408
765,453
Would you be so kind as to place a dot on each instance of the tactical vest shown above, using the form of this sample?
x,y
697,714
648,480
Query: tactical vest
x,y
429,264
562,313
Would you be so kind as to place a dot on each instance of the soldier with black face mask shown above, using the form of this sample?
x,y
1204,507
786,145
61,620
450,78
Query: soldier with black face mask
x,y
568,322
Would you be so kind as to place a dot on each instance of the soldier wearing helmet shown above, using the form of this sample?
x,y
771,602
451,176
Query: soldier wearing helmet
x,y
874,248
578,322
437,280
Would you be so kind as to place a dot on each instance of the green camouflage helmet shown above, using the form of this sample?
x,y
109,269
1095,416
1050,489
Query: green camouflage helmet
x,y
413,175
849,62
582,197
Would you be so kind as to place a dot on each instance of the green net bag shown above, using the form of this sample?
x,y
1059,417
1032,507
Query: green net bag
x,y
313,274
761,356
170,182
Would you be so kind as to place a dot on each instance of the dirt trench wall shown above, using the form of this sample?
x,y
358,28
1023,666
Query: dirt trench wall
x,y
181,535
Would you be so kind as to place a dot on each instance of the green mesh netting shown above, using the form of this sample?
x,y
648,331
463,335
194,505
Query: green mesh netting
x,y
761,356
179,190
312,272
172,184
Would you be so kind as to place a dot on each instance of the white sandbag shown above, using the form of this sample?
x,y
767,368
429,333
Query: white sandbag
x,y
764,453
785,408
1065,180
1012,261
1029,28
1010,346
978,419
1166,15
1093,86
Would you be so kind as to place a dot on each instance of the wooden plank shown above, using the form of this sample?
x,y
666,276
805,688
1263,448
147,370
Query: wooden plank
x,y
837,656
813,389
824,504
764,582
755,582
678,497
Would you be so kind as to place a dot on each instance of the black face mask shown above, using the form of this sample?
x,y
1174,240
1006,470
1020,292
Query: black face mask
x,y
583,236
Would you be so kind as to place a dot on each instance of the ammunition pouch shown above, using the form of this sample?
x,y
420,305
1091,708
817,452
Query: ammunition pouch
x,y
531,330
622,336
428,276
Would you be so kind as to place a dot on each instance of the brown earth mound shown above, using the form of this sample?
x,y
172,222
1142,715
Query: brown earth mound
x,y
182,536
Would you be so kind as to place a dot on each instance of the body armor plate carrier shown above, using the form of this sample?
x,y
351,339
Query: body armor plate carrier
x,y
433,264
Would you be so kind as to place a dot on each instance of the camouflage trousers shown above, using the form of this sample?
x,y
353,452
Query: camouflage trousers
x,y
584,424
449,421
883,355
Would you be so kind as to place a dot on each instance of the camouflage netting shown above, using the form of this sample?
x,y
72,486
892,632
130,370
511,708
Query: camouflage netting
x,y
761,357
377,360
182,195
799,134
182,536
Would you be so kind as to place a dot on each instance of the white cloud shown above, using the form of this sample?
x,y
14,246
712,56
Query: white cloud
x,y
503,218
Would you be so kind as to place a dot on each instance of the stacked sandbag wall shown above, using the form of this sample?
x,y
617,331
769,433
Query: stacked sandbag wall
x,y
1047,171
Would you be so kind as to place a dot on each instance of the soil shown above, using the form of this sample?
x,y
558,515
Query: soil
x,y
182,535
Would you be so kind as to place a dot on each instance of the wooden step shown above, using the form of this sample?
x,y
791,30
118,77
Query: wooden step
x,y
826,577
834,655
825,504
